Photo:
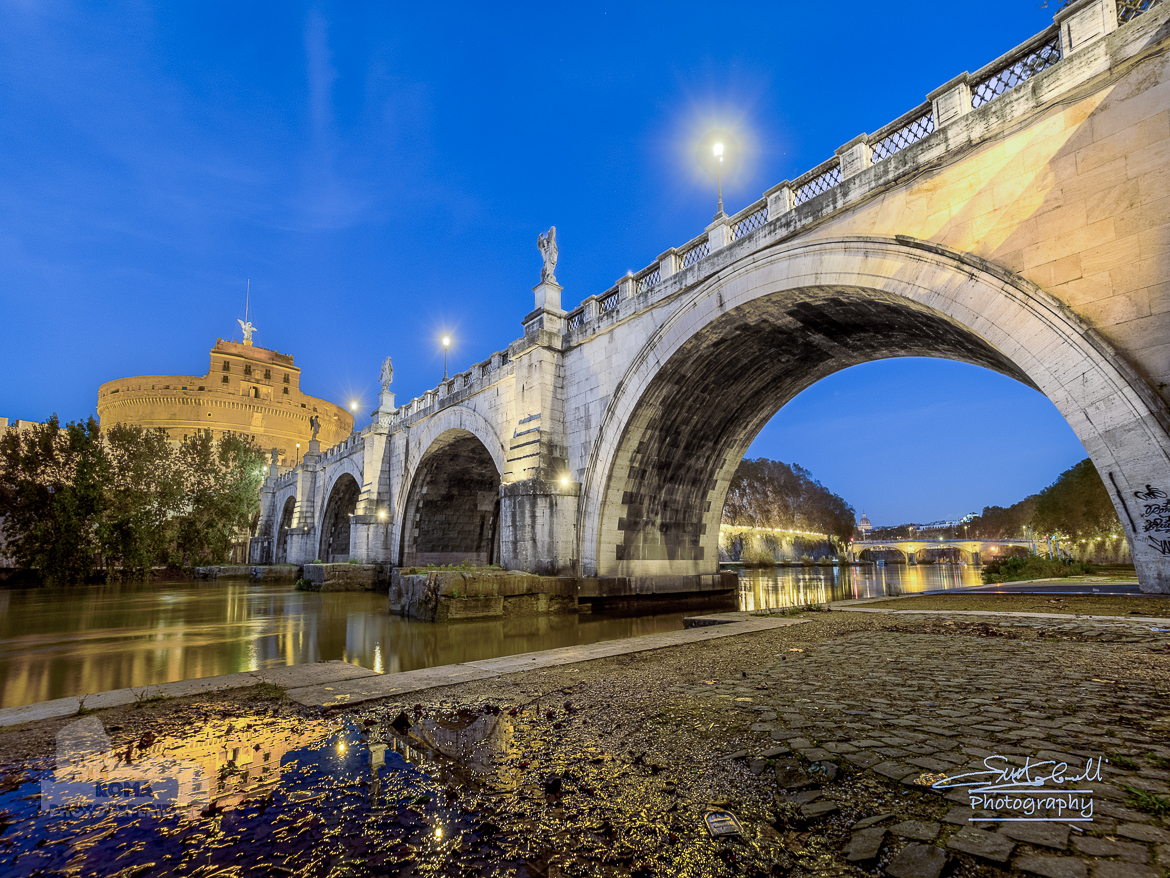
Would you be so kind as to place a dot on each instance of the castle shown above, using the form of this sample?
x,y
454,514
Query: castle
x,y
247,390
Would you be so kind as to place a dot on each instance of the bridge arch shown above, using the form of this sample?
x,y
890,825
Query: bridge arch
x,y
341,503
284,523
450,508
757,332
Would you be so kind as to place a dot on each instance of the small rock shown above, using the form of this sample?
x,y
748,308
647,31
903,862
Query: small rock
x,y
918,861
773,752
757,766
870,821
802,798
791,776
818,809
738,754
916,830
1051,867
865,845
988,845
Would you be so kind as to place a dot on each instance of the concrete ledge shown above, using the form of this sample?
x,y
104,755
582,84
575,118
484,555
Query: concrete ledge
x,y
371,689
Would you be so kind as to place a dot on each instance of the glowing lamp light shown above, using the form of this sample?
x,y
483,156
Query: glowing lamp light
x,y
718,150
353,404
446,341
564,480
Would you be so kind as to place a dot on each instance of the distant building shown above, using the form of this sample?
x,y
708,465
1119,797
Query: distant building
x,y
247,390
864,526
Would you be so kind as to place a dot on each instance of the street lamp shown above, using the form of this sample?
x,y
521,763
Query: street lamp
x,y
298,454
353,404
446,344
718,150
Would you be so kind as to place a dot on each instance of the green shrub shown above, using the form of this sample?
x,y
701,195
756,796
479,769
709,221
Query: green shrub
x,y
1016,569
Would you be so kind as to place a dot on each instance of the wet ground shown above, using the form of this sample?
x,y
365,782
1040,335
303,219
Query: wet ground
x,y
816,739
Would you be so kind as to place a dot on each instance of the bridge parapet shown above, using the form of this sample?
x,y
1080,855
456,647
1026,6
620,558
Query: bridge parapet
x,y
793,205
449,392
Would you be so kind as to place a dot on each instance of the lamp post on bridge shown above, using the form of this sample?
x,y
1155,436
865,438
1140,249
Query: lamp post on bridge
x,y
718,150
446,344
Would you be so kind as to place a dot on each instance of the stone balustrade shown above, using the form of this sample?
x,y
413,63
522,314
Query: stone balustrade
x,y
796,203
1076,25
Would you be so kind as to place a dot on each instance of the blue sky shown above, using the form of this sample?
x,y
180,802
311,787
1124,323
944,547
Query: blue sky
x,y
380,172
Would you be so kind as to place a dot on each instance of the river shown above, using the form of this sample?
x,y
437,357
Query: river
x,y
56,642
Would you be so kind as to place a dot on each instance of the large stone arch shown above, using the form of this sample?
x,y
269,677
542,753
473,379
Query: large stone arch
x,y
340,505
751,337
285,512
451,506
422,440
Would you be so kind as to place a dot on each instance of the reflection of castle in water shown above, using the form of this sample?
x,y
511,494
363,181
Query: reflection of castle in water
x,y
219,763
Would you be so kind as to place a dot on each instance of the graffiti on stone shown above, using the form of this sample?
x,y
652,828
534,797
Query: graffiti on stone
x,y
1155,516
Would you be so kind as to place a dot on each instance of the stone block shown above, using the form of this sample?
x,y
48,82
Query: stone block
x,y
865,845
1049,835
1101,847
986,845
916,829
1051,867
918,861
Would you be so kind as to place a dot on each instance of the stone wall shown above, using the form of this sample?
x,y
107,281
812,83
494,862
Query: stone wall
x,y
448,595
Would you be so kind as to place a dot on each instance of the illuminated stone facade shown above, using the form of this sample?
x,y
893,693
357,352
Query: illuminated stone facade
x,y
247,390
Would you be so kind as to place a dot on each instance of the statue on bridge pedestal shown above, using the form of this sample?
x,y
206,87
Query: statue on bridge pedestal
x,y
315,423
547,245
387,374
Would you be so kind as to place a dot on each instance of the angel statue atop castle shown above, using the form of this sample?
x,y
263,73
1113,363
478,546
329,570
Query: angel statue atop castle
x,y
387,374
547,245
248,330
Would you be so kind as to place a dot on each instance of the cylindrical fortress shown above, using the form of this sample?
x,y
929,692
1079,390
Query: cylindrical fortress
x,y
247,390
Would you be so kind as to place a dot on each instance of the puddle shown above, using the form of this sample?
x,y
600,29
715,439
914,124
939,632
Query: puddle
x,y
466,791
261,797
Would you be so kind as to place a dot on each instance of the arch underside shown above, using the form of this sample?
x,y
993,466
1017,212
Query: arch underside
x,y
453,507
286,522
706,404
335,524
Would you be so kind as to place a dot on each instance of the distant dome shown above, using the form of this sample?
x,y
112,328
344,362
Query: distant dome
x,y
865,525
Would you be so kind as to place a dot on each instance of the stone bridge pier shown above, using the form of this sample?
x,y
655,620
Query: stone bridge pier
x,y
1016,219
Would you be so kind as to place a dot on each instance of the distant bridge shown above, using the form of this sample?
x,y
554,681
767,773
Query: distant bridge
x,y
1015,220
974,550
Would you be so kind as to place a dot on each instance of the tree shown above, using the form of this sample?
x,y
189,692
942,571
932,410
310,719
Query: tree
x,y
144,498
222,494
76,500
772,494
1076,505
52,496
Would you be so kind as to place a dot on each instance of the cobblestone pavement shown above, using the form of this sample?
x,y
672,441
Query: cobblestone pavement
x,y
818,737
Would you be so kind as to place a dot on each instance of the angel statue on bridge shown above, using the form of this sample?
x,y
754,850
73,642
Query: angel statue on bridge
x,y
547,245
315,423
387,374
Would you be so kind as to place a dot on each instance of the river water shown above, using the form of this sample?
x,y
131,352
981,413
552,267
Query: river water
x,y
56,642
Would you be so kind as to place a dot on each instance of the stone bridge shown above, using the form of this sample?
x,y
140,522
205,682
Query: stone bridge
x,y
1017,219
970,550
